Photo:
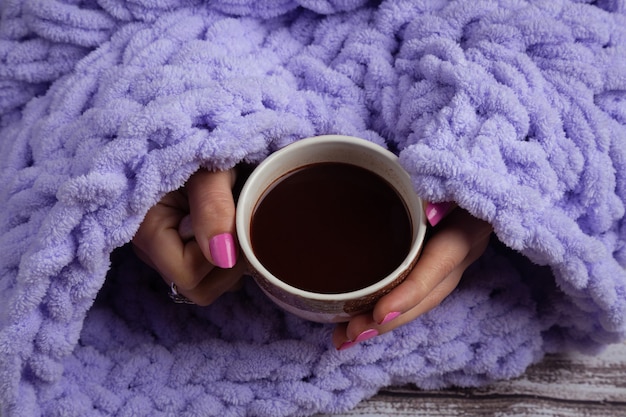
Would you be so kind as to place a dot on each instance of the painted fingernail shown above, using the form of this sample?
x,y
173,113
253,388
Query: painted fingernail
x,y
365,335
390,316
437,211
346,345
223,250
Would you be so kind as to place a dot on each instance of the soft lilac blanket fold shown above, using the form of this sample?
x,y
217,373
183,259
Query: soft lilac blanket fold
x,y
516,110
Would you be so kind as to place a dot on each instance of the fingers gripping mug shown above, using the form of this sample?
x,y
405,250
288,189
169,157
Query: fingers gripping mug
x,y
328,225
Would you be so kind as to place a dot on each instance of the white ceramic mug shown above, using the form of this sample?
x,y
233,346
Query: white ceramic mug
x,y
323,307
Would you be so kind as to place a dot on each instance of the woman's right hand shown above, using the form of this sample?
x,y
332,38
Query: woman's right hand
x,y
455,244
189,237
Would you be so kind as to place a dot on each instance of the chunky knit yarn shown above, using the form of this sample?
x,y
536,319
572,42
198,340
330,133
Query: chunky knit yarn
x,y
514,109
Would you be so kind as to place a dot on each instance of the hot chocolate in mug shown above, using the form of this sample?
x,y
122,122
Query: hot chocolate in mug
x,y
328,225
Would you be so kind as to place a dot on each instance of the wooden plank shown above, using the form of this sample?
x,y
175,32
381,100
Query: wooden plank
x,y
384,405
566,385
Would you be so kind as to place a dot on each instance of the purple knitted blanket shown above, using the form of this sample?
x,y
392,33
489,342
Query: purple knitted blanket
x,y
514,109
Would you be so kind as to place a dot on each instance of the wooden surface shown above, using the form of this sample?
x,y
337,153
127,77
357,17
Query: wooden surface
x,y
568,386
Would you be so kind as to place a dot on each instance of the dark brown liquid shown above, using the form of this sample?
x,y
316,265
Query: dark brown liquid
x,y
331,228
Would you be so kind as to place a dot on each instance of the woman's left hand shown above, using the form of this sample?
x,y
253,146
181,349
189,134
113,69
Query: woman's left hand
x,y
456,243
196,258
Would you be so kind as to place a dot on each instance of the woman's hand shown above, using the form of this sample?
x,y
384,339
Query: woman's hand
x,y
189,237
456,242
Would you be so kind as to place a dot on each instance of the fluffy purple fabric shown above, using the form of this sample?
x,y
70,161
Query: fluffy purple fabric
x,y
514,109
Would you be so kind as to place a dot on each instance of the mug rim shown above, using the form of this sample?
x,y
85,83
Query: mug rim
x,y
417,238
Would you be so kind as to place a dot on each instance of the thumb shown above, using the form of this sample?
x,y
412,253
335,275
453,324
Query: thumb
x,y
212,212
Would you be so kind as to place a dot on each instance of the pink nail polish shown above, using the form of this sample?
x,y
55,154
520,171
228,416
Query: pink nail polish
x,y
367,334
390,316
223,250
347,344
437,211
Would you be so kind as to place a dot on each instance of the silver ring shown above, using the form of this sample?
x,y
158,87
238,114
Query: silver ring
x,y
178,297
